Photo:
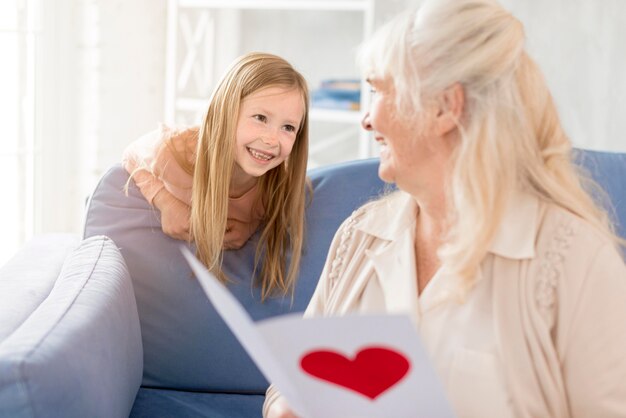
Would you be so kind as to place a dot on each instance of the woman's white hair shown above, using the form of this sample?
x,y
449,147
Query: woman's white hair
x,y
511,136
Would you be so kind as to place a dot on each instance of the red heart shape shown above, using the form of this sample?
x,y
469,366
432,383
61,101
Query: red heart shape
x,y
370,373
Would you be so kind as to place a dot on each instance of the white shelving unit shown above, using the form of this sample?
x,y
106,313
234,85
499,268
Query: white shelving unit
x,y
196,49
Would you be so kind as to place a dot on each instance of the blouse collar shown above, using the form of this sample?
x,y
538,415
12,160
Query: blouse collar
x,y
390,217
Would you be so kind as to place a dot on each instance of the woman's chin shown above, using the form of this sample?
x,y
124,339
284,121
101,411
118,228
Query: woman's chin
x,y
385,173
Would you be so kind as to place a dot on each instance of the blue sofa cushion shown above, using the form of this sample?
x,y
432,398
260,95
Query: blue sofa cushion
x,y
79,351
152,403
608,169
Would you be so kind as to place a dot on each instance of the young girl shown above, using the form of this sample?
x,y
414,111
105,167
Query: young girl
x,y
244,168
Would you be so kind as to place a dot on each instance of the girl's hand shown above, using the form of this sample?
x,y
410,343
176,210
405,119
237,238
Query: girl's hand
x,y
175,215
236,235
280,409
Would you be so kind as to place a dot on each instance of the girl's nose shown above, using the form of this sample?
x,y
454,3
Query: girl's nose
x,y
365,122
270,139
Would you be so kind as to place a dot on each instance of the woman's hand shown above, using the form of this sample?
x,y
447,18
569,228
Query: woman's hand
x,y
175,215
280,409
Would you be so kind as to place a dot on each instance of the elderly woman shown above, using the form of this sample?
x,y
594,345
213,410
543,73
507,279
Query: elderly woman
x,y
509,270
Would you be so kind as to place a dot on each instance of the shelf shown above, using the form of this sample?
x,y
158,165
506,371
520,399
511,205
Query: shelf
x,y
278,4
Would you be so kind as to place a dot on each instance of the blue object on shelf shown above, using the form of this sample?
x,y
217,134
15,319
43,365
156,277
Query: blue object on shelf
x,y
337,94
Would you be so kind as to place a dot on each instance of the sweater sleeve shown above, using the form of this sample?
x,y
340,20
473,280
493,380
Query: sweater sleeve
x,y
593,363
153,165
137,160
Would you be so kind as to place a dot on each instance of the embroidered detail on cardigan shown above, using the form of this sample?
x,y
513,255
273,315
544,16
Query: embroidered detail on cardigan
x,y
346,234
550,269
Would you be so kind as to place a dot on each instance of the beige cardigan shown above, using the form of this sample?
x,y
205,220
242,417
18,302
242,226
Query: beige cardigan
x,y
559,300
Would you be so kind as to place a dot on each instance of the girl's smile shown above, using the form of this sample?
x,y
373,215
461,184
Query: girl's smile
x,y
261,156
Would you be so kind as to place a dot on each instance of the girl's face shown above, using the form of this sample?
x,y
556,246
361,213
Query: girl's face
x,y
269,121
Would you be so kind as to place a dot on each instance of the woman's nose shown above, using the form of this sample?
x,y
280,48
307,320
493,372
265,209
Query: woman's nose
x,y
365,122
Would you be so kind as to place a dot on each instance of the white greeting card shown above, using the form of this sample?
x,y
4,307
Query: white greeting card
x,y
369,366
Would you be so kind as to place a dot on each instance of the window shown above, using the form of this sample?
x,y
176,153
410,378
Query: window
x,y
19,151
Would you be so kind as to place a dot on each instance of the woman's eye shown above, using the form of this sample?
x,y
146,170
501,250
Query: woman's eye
x,y
290,128
260,118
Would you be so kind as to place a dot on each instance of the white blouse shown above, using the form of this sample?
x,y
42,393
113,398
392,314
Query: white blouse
x,y
458,334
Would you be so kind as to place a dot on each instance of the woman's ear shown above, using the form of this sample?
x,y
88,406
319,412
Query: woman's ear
x,y
451,104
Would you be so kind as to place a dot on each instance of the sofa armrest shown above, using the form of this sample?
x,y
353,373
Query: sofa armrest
x,y
79,352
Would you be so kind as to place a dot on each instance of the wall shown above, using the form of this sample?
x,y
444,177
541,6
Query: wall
x,y
578,43
102,86
132,71
581,47
112,62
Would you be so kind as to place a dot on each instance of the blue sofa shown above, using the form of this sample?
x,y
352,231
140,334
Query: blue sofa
x,y
133,298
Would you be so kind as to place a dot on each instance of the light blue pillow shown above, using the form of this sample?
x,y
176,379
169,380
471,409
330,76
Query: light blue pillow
x,y
79,352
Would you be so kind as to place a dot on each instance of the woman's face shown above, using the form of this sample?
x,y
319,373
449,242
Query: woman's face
x,y
407,145
267,128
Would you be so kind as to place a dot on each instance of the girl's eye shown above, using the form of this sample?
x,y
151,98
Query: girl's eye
x,y
290,128
260,118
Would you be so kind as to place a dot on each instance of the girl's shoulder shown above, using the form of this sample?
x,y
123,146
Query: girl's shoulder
x,y
181,136
181,140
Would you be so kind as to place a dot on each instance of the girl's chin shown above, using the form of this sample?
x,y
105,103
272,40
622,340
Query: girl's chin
x,y
254,170
253,167
255,173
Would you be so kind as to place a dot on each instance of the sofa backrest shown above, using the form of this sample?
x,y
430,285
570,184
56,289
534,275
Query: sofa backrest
x,y
608,169
186,344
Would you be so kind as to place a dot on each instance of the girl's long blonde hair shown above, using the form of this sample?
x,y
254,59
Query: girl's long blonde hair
x,y
511,136
281,190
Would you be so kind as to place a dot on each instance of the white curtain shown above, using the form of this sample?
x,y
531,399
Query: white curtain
x,y
19,37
